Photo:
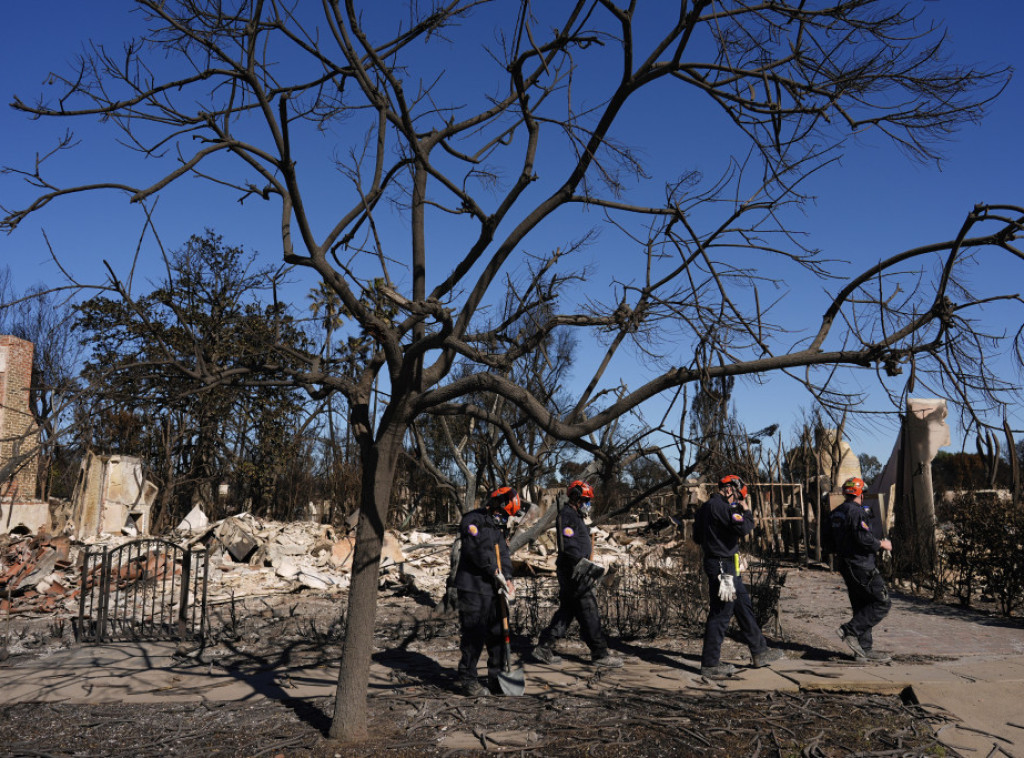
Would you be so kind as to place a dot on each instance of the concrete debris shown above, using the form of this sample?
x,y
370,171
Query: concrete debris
x,y
287,570
195,521
251,557
236,536
391,551
318,580
341,553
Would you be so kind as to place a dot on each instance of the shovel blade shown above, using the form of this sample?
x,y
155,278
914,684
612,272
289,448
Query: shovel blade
x,y
512,682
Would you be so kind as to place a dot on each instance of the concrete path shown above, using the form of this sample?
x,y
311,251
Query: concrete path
x,y
968,665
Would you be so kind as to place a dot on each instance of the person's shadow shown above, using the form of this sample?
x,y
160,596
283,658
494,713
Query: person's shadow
x,y
412,668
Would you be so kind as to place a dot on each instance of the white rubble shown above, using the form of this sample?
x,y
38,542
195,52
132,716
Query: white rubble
x,y
255,557
195,521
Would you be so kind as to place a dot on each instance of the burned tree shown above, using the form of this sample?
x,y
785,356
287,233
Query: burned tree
x,y
475,448
192,434
500,161
42,317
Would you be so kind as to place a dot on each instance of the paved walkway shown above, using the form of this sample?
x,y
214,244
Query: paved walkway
x,y
969,665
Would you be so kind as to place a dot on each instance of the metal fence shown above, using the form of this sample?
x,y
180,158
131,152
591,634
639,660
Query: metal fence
x,y
642,597
148,589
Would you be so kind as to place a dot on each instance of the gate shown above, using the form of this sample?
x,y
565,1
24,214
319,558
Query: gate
x,y
143,590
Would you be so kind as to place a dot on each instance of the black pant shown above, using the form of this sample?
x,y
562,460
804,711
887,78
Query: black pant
x,y
581,606
869,599
721,613
480,619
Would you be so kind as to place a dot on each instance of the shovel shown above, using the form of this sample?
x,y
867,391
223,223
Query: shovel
x,y
512,681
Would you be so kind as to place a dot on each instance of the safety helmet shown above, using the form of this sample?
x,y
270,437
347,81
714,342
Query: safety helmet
x,y
504,500
731,480
579,490
853,486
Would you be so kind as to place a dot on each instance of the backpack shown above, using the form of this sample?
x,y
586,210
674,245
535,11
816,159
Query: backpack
x,y
836,521
699,519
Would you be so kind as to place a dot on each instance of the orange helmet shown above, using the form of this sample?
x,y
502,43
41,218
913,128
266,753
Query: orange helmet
x,y
731,480
579,490
853,486
504,499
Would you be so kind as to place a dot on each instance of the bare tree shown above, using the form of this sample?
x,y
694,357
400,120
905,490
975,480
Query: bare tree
x,y
480,454
497,145
6,297
45,319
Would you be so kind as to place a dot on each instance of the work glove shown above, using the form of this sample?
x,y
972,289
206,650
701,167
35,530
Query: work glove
x,y
585,573
505,588
726,589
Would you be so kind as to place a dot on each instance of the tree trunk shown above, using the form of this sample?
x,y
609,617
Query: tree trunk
x,y
379,463
469,499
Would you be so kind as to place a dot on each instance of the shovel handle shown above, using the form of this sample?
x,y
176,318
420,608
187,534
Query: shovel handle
x,y
503,605
497,554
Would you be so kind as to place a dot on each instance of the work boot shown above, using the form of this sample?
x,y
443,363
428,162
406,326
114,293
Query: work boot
x,y
853,643
494,686
766,658
607,660
472,688
545,654
877,656
721,671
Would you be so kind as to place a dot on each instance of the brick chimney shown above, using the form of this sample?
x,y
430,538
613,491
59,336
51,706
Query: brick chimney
x,y
18,431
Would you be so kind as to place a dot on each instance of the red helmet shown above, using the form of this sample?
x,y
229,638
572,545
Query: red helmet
x,y
579,490
504,499
731,480
853,486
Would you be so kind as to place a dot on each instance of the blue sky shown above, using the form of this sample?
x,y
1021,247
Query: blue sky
x,y
877,202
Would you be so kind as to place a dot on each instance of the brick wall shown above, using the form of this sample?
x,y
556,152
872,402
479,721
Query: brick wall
x,y
17,427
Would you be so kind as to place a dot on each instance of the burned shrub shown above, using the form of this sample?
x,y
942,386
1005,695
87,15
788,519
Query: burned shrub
x,y
646,604
643,596
981,550
536,601
962,548
764,581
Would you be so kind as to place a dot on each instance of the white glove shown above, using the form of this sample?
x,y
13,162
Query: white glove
x,y
726,589
505,587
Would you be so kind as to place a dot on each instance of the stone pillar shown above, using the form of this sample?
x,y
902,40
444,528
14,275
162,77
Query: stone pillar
x,y
19,436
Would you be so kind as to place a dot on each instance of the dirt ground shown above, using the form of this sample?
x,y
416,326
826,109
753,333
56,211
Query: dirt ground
x,y
624,724
428,718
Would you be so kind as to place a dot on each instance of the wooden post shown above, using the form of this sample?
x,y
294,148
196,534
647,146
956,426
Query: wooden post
x,y
806,522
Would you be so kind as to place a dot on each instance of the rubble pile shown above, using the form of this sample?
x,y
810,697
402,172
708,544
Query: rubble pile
x,y
251,557
36,574
153,566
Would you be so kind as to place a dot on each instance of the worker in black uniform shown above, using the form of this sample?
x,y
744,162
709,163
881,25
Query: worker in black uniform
x,y
853,525
478,582
576,575
718,526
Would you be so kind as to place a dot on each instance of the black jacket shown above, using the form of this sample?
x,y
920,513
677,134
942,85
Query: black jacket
x,y
479,533
719,526
852,527
573,536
